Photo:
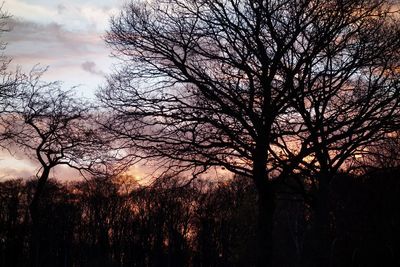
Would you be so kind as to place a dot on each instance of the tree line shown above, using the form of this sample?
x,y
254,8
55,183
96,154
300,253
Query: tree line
x,y
103,223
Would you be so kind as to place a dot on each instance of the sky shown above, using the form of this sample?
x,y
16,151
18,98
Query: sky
x,y
66,36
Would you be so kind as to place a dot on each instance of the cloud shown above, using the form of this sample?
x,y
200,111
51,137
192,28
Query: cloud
x,y
73,14
17,165
51,44
14,173
21,165
61,9
62,35
49,37
91,67
29,11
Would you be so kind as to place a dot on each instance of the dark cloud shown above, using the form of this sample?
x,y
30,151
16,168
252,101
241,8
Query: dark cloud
x,y
91,67
29,31
60,9
52,40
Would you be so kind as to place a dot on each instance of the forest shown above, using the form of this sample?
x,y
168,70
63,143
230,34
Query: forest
x,y
269,132
111,223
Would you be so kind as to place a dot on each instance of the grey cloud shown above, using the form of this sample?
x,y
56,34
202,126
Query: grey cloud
x,y
29,31
52,44
67,52
91,67
52,33
60,9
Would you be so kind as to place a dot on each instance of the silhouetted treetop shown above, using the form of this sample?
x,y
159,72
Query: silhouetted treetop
x,y
209,81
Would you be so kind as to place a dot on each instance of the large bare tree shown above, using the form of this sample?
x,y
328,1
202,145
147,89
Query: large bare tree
x,y
230,83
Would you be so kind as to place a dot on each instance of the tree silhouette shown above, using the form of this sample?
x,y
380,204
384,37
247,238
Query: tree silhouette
x,y
9,81
53,128
381,154
228,83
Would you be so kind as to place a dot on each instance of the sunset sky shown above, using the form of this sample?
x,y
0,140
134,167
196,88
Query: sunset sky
x,y
66,36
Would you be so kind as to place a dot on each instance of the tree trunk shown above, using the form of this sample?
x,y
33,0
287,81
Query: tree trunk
x,y
34,212
322,231
266,209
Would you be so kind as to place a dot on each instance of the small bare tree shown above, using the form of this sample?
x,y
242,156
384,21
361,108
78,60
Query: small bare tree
x,y
54,128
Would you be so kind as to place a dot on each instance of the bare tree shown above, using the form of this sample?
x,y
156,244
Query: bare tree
x,y
231,83
9,81
54,128
380,155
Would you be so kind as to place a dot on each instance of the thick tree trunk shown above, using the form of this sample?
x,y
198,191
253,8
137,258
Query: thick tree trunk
x,y
266,209
322,229
34,212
